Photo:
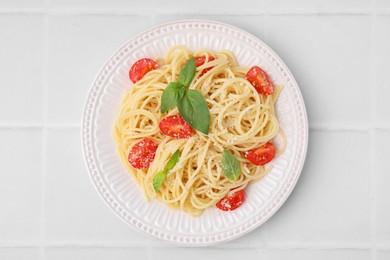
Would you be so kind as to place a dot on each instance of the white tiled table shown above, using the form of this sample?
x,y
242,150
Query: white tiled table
x,y
339,52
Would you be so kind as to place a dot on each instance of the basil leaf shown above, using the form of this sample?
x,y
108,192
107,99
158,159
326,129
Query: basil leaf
x,y
171,94
173,161
193,108
187,73
159,179
230,165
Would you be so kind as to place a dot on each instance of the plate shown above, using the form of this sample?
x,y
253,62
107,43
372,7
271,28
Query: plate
x,y
118,188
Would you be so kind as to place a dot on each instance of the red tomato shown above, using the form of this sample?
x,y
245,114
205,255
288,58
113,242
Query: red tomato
x,y
176,126
231,201
142,154
140,68
200,60
261,155
260,80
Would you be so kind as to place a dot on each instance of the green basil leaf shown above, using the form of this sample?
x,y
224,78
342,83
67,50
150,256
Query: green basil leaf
x,y
171,95
230,165
173,161
159,179
187,73
193,108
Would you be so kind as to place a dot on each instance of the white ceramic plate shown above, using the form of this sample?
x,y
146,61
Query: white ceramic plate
x,y
117,187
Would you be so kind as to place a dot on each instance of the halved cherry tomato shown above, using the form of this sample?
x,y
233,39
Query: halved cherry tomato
x,y
260,80
140,68
176,126
231,201
142,154
200,60
261,155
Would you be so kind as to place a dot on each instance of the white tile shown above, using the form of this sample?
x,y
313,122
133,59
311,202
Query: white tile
x,y
221,6
79,47
382,57
20,185
146,5
382,5
74,211
317,6
22,3
325,53
213,7
21,66
95,253
383,255
330,206
206,253
382,172
19,253
172,6
306,254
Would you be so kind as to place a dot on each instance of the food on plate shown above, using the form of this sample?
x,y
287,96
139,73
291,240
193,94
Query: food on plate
x,y
196,128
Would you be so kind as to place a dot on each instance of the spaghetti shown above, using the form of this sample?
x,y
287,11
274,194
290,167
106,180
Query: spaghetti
x,y
240,120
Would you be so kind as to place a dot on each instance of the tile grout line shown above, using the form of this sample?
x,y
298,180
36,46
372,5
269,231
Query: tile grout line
x,y
45,108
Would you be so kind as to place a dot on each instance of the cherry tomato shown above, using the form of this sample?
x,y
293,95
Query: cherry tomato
x,y
200,60
261,155
231,201
176,126
260,80
140,68
142,154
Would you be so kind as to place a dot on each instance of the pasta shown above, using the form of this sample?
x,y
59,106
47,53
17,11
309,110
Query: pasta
x,y
240,120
